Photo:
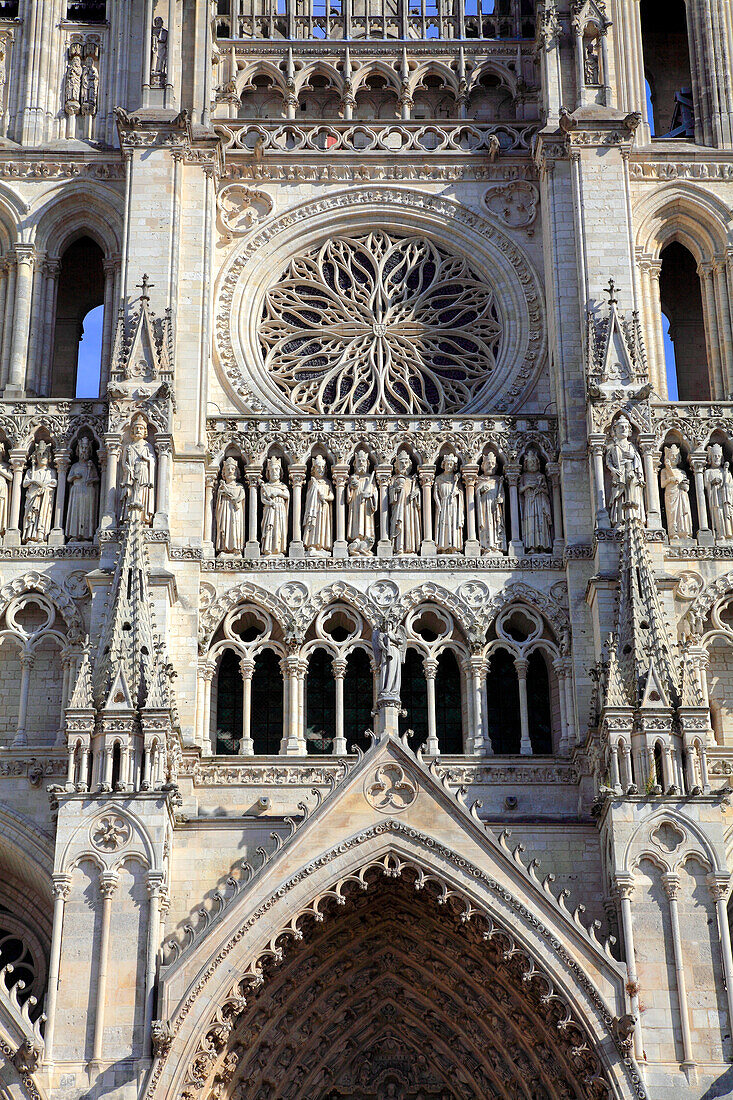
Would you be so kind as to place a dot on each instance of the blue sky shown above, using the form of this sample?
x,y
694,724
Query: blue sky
x,y
90,355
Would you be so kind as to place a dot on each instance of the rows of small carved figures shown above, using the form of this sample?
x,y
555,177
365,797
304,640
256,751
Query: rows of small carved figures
x,y
54,492
629,489
402,508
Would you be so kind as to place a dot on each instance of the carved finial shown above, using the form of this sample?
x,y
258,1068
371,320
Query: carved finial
x,y
611,292
145,286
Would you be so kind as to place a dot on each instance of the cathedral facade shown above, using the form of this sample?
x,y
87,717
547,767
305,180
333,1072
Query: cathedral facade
x,y
366,598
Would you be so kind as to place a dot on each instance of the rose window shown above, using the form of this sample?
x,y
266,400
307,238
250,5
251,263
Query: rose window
x,y
380,324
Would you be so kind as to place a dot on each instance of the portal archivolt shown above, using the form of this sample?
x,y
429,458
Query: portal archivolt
x,y
394,996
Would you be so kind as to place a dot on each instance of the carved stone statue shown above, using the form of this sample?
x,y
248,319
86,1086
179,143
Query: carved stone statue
x,y
138,473
449,508
89,88
72,80
230,498
676,487
390,648
591,63
490,499
39,484
159,58
317,522
362,498
719,493
275,497
6,481
623,462
404,499
534,502
83,482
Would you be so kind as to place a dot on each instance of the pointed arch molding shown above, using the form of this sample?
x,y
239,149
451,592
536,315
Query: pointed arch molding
x,y
244,281
37,582
197,1039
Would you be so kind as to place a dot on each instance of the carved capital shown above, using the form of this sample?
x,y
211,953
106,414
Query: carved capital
x,y
108,883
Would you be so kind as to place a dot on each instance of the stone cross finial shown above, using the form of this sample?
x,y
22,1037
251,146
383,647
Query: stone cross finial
x,y
145,287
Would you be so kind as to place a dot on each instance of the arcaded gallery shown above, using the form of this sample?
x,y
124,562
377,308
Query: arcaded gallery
x,y
366,549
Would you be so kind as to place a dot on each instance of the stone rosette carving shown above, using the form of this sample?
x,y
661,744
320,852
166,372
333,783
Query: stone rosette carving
x,y
389,789
240,208
110,833
515,204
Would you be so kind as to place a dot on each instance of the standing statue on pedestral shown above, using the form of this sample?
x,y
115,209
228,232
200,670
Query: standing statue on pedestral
x,y
39,484
159,59
676,487
89,87
275,498
83,482
536,510
404,498
490,502
6,481
72,80
361,495
389,646
317,521
138,473
719,493
230,497
623,462
449,508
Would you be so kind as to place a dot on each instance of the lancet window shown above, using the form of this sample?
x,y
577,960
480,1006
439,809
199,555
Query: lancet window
x,y
87,11
80,290
667,67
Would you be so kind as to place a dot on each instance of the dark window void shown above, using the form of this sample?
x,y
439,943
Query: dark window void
x,y
80,290
414,698
358,695
229,694
266,721
116,766
681,301
666,61
538,704
8,9
320,703
502,711
87,11
448,717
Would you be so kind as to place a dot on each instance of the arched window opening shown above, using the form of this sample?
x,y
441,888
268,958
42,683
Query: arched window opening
x,y
320,703
658,777
266,721
448,718
229,693
414,699
670,362
502,711
80,290
681,300
358,696
667,65
116,765
8,9
538,703
89,366
87,11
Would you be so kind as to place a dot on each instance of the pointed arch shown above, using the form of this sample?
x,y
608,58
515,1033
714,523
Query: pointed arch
x,y
270,933
685,213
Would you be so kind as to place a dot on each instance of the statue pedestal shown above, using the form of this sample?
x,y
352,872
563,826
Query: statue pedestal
x,y
388,716
56,537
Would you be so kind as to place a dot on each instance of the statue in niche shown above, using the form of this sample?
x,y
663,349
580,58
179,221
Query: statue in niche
x,y
404,498
623,462
317,524
6,481
72,80
159,59
362,499
676,487
230,498
591,62
89,87
138,473
719,493
275,498
39,484
449,508
83,482
389,646
490,502
534,503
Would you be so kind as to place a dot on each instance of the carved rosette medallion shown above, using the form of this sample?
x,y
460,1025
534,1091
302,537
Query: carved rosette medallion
x,y
110,833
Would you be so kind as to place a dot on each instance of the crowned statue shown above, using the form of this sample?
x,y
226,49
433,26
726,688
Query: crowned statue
x,y
138,473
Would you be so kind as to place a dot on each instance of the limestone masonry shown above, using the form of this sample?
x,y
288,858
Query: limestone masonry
x,y
366,549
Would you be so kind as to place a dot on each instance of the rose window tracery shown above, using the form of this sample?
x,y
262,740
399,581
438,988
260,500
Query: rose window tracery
x,y
378,323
